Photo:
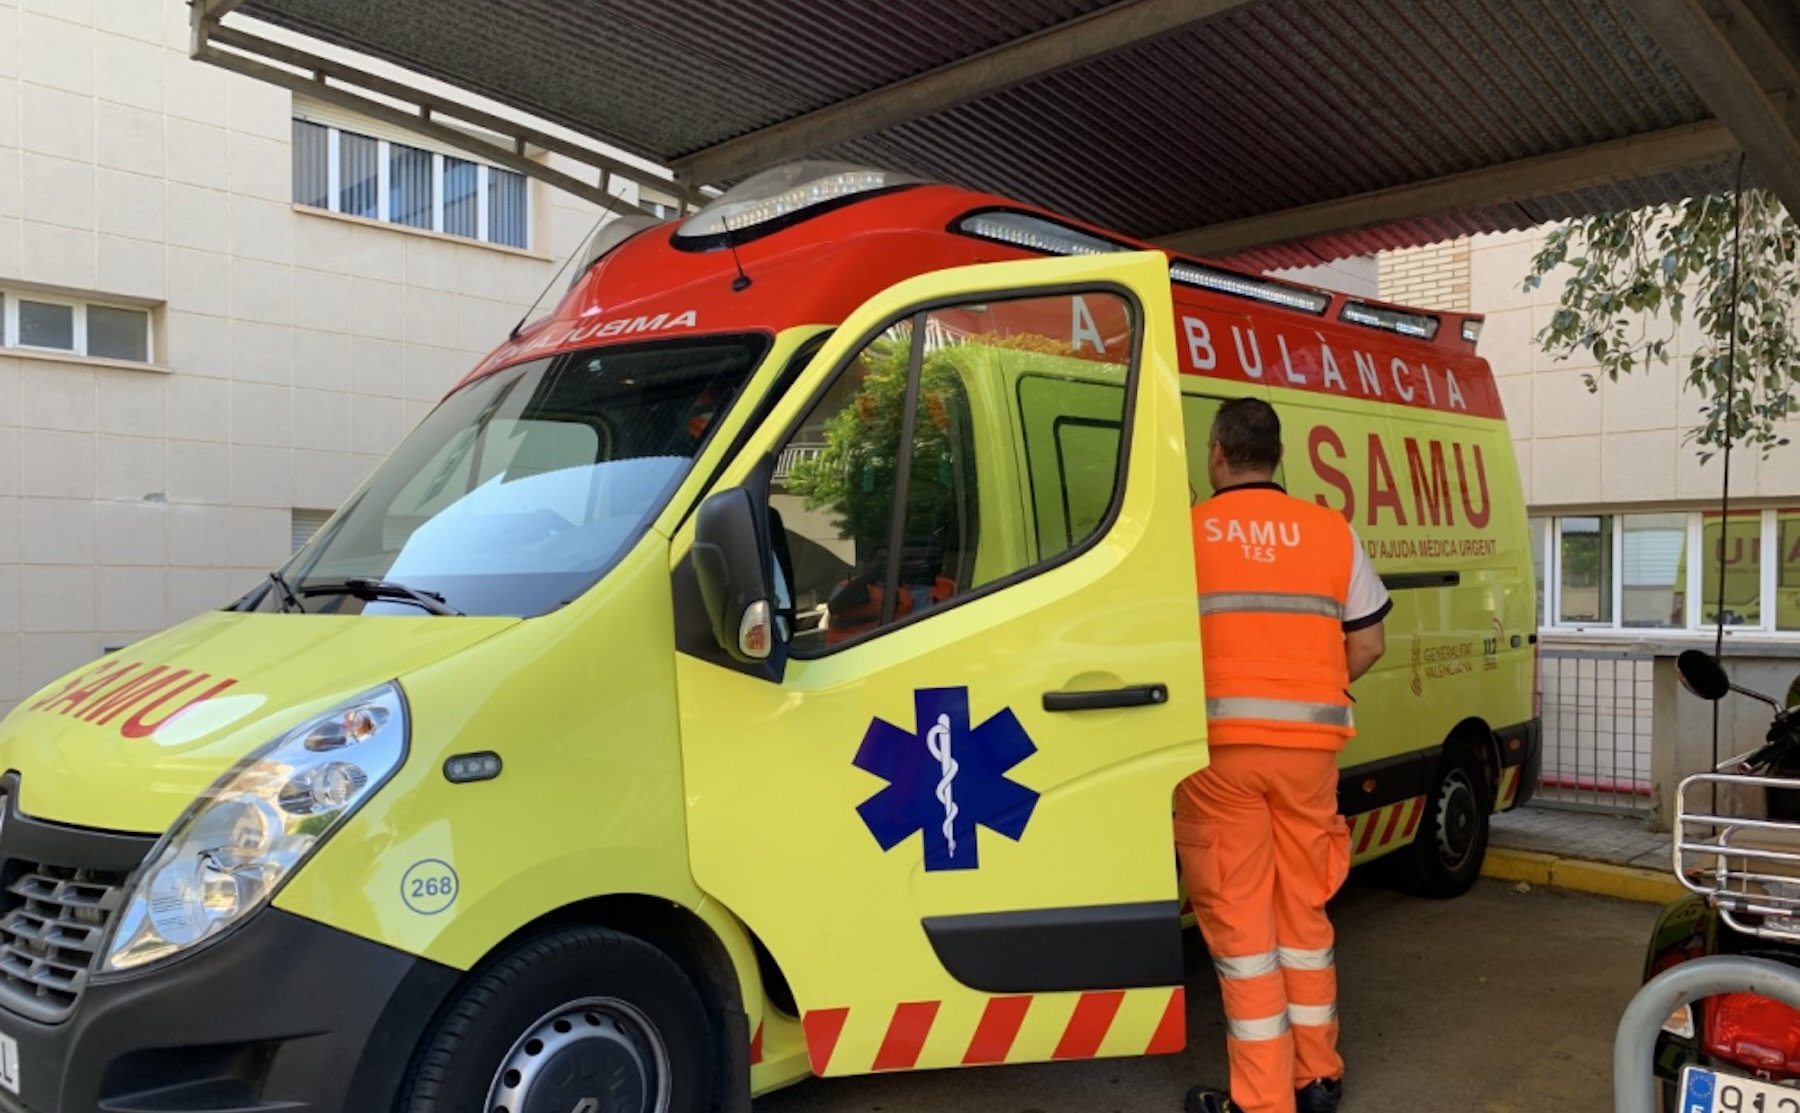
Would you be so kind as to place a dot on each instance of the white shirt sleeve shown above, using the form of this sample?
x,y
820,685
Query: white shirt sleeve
x,y
1368,601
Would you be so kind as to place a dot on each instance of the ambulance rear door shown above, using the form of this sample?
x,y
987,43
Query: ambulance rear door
x,y
946,813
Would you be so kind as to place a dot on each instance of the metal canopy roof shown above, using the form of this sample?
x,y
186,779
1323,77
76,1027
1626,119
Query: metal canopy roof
x,y
1279,131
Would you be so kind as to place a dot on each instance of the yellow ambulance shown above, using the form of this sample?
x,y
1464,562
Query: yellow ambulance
x,y
775,662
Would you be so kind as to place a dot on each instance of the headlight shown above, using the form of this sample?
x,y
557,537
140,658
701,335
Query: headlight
x,y
232,849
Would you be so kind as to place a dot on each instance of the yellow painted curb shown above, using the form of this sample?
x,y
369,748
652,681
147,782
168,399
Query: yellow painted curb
x,y
1603,878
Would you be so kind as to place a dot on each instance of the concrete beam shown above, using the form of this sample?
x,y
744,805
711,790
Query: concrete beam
x,y
1546,175
1112,28
508,157
1739,70
426,115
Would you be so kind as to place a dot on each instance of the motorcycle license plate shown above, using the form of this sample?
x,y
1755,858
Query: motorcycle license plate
x,y
1705,1091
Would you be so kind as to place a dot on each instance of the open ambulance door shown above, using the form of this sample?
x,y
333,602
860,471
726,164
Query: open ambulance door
x,y
946,813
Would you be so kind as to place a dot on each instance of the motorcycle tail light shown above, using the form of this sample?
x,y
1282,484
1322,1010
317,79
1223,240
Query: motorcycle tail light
x,y
1753,1032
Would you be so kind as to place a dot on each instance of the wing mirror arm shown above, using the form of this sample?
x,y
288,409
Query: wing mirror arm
x,y
734,566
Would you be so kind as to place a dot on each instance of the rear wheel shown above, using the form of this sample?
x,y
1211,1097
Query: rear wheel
x,y
575,1018
1445,857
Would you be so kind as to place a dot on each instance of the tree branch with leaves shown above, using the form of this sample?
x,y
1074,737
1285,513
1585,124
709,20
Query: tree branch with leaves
x,y
1637,275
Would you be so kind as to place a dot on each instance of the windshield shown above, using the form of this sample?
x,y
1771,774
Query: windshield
x,y
520,489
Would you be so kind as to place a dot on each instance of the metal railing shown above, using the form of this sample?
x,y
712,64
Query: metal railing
x,y
1748,866
1598,715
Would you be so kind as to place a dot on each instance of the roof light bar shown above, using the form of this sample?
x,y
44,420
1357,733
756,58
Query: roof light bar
x,y
1243,286
1421,325
782,192
1034,233
608,236
1471,329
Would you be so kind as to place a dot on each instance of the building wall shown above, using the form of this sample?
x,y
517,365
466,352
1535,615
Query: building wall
x,y
1436,275
293,349
1620,444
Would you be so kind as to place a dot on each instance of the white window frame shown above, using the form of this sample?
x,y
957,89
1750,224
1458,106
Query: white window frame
x,y
334,134
1694,605
10,297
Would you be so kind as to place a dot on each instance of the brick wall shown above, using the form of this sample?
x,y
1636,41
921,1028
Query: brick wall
x,y
1431,277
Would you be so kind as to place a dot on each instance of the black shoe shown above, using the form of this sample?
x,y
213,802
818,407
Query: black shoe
x,y
1202,1100
1319,1096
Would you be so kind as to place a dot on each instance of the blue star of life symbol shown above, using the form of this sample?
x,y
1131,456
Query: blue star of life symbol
x,y
945,779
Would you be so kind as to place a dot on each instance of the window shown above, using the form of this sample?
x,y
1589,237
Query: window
x,y
304,523
1540,543
1665,571
519,490
55,323
1787,570
1653,570
882,495
1733,549
1585,564
344,171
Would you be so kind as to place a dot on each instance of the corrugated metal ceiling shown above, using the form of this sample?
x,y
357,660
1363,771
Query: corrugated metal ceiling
x,y
1273,105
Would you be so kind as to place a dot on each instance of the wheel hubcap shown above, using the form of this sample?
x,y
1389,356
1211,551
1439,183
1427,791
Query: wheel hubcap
x,y
595,1055
1459,819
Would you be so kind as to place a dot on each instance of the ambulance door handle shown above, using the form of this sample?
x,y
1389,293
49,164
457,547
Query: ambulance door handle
x,y
1132,695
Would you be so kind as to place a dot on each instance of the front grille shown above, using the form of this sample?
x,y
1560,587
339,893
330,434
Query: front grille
x,y
53,922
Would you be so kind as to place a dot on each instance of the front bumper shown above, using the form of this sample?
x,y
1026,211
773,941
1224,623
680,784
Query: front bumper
x,y
285,1014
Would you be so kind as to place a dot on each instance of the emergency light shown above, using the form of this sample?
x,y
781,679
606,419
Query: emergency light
x,y
1034,233
1393,320
776,196
1274,293
608,236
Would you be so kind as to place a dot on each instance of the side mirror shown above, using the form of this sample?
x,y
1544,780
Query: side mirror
x,y
731,563
1702,674
1793,696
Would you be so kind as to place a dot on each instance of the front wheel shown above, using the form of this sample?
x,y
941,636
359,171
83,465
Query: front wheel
x,y
1445,857
573,1019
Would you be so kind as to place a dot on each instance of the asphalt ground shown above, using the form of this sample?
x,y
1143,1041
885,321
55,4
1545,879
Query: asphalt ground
x,y
1502,1001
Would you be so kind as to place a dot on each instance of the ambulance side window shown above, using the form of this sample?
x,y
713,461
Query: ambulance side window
x,y
833,489
1015,410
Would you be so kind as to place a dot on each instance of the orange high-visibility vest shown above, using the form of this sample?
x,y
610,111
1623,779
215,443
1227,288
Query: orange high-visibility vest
x,y
1273,574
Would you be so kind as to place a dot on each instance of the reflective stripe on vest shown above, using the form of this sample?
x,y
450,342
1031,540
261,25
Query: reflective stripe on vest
x,y
1271,602
1278,711
1262,1028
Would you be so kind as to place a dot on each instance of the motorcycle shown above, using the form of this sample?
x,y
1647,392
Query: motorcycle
x,y
1737,849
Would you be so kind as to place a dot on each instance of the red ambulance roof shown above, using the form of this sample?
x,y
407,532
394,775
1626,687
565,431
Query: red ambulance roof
x,y
818,268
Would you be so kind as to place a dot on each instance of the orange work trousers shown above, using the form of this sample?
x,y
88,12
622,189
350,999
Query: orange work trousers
x,y
1262,849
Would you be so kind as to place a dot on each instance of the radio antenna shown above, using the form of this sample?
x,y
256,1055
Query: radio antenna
x,y
570,258
742,281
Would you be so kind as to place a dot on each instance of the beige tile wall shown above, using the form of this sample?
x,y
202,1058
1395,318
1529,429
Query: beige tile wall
x,y
298,348
1618,445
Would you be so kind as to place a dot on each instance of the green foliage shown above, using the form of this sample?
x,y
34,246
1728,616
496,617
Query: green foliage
x,y
855,475
1637,275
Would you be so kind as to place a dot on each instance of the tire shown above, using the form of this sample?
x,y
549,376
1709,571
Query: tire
x,y
1445,857
572,1018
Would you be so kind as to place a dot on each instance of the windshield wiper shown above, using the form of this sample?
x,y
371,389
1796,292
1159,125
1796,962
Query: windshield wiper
x,y
289,601
365,588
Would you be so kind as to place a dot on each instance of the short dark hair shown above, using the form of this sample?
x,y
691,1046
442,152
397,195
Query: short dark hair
x,y
1249,433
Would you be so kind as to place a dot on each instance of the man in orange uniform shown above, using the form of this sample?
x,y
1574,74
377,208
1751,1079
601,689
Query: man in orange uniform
x,y
1290,613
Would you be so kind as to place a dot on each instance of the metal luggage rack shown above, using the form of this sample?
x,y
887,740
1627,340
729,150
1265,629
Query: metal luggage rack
x,y
1755,887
